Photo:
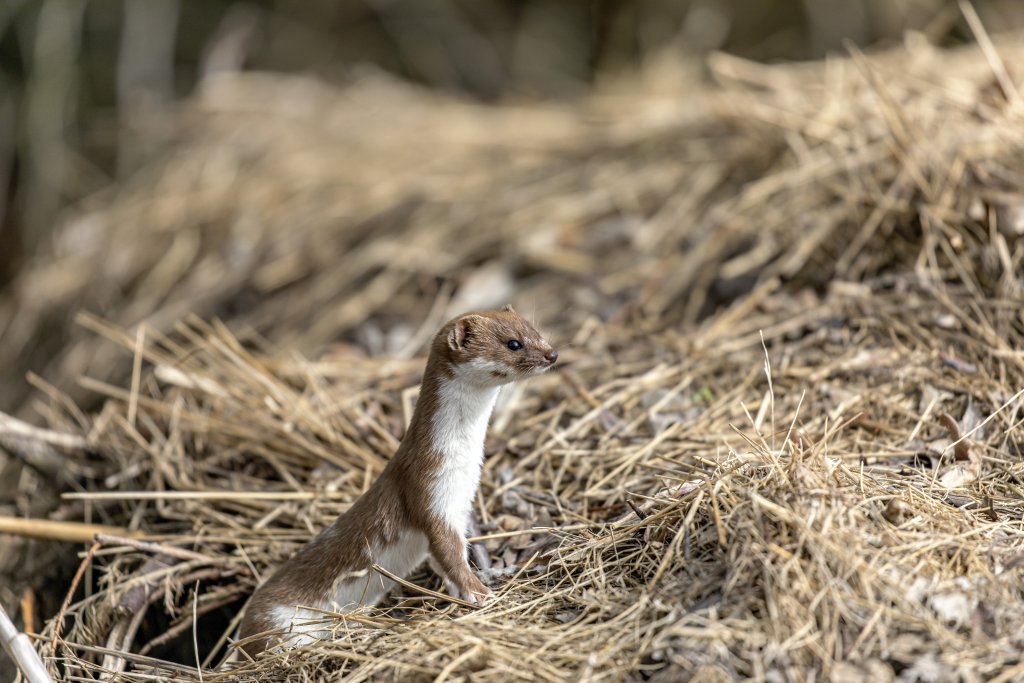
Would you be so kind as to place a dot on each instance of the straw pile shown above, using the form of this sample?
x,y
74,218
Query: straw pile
x,y
786,443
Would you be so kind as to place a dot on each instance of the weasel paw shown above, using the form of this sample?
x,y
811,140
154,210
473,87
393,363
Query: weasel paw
x,y
475,593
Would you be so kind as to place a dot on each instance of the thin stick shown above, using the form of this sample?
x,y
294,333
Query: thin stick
x,y
158,548
19,647
28,609
72,532
195,631
961,450
13,427
995,62
174,631
420,589
203,495
142,660
59,622
133,402
536,530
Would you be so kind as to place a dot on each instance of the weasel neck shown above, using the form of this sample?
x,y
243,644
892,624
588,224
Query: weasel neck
x,y
447,406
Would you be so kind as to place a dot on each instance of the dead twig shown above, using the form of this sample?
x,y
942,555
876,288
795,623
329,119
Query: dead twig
x,y
20,649
72,532
961,449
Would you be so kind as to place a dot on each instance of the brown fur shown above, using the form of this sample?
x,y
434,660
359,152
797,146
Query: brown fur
x,y
400,498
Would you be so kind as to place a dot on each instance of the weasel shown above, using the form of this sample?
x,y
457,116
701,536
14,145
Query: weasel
x,y
420,505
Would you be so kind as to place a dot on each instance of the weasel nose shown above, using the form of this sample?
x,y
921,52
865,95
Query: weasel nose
x,y
551,356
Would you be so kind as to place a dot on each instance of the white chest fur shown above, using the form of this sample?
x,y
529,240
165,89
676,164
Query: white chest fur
x,y
458,430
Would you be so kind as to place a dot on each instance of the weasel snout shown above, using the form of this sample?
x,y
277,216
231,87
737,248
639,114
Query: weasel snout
x,y
551,356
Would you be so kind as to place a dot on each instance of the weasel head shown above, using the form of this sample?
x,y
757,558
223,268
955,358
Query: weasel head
x,y
492,348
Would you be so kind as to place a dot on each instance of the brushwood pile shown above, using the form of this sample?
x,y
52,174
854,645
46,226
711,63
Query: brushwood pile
x,y
785,443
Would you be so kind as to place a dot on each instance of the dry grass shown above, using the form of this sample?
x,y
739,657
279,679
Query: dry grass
x,y
786,443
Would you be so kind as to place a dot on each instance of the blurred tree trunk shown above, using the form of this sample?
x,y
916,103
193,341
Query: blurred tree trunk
x,y
145,72
50,107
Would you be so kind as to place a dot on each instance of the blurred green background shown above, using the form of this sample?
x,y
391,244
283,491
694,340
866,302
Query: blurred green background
x,y
75,74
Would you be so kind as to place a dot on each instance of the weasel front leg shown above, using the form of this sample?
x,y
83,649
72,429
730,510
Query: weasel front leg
x,y
449,587
448,558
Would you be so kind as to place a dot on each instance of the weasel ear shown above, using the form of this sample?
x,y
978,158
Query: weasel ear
x,y
508,308
461,332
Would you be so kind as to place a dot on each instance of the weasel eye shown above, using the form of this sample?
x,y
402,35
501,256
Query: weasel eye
x,y
514,344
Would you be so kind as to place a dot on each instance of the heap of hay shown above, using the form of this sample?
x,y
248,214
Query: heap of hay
x,y
786,443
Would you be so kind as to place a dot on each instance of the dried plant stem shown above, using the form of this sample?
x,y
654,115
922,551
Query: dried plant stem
x,y
20,649
12,427
420,589
72,532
